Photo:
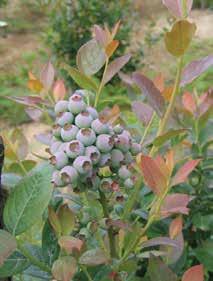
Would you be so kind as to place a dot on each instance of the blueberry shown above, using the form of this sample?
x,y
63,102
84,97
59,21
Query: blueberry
x,y
124,172
105,159
93,112
74,148
99,126
65,118
83,119
56,130
117,158
82,164
55,146
128,158
104,143
61,106
122,142
76,104
118,129
69,175
59,160
128,183
106,184
69,132
135,148
86,136
93,153
56,179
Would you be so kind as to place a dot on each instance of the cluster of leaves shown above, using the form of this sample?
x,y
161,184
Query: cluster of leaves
x,y
161,228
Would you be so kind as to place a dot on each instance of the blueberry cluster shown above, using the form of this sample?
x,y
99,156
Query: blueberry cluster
x,y
87,152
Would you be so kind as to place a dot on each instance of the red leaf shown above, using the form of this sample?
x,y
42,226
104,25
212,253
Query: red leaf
x,y
175,227
59,90
184,171
28,100
70,244
153,176
100,35
115,66
175,203
152,93
195,273
159,82
195,69
189,102
127,79
34,113
175,7
47,75
143,111
166,241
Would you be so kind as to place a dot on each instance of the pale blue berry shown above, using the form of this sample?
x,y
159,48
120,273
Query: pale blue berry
x,y
61,106
86,136
104,143
128,158
122,142
69,132
117,158
105,159
100,127
135,148
74,148
56,130
118,129
76,104
65,118
83,119
82,164
55,146
69,175
93,112
124,172
93,153
59,160
56,179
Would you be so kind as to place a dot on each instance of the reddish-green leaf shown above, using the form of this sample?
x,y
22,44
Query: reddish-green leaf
x,y
184,171
176,7
189,102
28,100
47,75
54,220
7,245
94,257
100,35
59,90
90,57
175,227
178,39
64,268
143,111
66,218
70,244
153,175
111,47
175,203
194,273
148,88
115,66
166,241
195,69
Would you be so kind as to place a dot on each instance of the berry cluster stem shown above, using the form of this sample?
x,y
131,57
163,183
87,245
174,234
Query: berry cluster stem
x,y
111,236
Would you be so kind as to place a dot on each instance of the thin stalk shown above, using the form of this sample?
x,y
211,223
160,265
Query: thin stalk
x,y
112,242
147,128
171,106
86,273
101,84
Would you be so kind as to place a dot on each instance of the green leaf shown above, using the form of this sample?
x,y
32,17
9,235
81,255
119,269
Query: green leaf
x,y
66,219
81,79
178,39
64,268
204,254
28,200
159,271
27,164
14,264
7,245
10,179
167,136
204,222
90,57
93,257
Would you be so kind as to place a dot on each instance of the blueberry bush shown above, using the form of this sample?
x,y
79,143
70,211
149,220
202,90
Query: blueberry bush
x,y
124,195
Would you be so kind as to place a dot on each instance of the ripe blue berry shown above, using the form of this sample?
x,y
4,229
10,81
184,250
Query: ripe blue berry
x,y
128,183
104,143
65,118
135,148
83,119
86,136
93,153
61,106
76,104
124,172
69,175
74,148
69,132
56,130
82,164
93,112
59,160
105,159
100,127
56,179
117,158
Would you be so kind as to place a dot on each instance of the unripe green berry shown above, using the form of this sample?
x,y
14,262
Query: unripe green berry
x,y
104,143
118,129
82,164
83,119
86,136
74,148
69,132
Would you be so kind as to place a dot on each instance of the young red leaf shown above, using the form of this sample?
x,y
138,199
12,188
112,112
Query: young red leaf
x,y
205,103
111,48
153,176
170,162
47,75
184,171
159,82
153,95
195,69
189,102
175,203
115,66
160,162
35,85
143,111
100,35
176,8
28,100
195,273
175,227
59,90
70,244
